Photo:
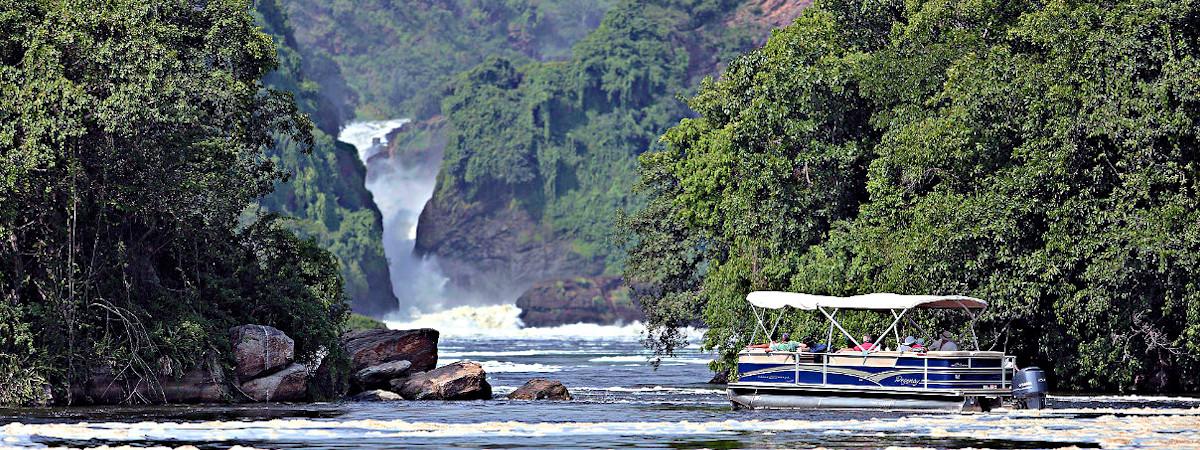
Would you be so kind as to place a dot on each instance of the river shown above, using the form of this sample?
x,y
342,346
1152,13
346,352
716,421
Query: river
x,y
620,401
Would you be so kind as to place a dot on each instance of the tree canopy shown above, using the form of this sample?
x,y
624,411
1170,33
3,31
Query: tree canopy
x,y
133,138
1040,155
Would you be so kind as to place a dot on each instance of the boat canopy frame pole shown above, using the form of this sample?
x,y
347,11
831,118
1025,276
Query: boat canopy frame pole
x,y
763,325
974,317
891,327
829,337
897,330
835,323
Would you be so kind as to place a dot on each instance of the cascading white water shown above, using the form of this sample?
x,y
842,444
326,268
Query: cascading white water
x,y
400,192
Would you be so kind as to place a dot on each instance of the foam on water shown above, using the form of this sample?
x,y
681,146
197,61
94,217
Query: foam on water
x,y
1172,428
647,358
1124,399
503,322
655,390
512,367
509,353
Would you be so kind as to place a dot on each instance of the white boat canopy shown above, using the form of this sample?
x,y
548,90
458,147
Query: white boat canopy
x,y
882,300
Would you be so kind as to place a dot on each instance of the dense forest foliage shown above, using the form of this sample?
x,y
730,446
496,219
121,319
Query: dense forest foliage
x,y
559,139
133,139
324,192
1039,155
397,58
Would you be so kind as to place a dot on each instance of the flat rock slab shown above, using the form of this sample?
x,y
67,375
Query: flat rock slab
x,y
378,376
377,395
463,380
541,389
374,347
259,350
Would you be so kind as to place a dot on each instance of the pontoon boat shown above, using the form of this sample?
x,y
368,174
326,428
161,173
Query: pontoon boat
x,y
879,378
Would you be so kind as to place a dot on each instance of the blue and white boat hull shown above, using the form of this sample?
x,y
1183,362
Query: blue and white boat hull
x,y
880,380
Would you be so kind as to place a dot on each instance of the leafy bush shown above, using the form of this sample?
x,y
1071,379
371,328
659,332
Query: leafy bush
x,y
361,322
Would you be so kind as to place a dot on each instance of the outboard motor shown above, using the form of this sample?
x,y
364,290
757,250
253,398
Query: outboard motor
x,y
1030,388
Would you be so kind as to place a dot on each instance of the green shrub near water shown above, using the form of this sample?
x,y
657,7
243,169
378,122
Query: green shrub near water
x,y
1040,155
133,140
361,322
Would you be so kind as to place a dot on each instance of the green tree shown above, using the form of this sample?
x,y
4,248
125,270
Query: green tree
x,y
1038,155
133,140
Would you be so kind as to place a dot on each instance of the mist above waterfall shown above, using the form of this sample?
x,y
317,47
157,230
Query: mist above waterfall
x,y
400,190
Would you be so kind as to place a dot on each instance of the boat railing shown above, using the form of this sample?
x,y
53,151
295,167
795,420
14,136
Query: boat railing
x,y
1006,369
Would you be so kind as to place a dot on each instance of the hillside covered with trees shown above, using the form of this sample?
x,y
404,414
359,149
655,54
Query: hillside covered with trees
x,y
1039,155
134,138
540,156
323,192
397,58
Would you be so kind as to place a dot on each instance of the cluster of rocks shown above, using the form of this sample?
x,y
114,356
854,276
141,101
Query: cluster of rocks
x,y
400,364
383,365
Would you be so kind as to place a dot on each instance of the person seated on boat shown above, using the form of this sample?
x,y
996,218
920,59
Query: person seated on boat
x,y
818,348
919,346
907,345
785,345
866,344
945,344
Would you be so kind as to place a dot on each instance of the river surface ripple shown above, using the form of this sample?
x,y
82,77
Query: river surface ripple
x,y
620,401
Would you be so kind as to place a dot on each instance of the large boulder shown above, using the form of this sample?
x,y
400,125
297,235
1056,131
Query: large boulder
x,y
287,385
374,347
378,376
463,380
259,350
541,389
603,300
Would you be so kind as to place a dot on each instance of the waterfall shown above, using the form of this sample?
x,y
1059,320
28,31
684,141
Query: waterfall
x,y
401,190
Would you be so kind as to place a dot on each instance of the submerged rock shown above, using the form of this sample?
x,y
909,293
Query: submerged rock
x,y
374,347
378,376
601,300
287,385
463,380
259,350
541,389
376,395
